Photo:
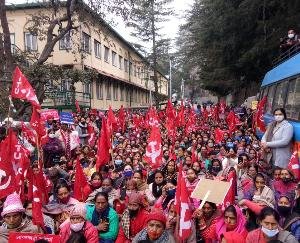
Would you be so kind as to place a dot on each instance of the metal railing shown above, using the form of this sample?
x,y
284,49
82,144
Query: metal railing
x,y
286,55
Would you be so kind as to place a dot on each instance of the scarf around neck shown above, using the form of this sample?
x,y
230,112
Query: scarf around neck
x,y
97,216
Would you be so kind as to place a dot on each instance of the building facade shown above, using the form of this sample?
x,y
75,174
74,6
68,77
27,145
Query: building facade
x,y
124,77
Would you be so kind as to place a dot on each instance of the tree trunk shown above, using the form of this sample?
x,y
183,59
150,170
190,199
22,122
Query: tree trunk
x,y
154,56
6,38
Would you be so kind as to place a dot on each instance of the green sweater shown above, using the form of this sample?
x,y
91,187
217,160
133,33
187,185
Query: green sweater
x,y
113,218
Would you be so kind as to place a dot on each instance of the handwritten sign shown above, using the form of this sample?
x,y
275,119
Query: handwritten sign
x,y
49,112
211,190
17,237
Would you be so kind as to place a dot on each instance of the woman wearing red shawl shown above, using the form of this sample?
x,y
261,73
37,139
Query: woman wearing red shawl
x,y
233,237
232,220
206,219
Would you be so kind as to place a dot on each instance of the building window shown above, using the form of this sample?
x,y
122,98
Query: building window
x,y
115,91
139,72
108,91
65,42
30,42
134,70
126,65
106,54
97,49
130,68
86,42
87,89
121,92
113,58
99,90
12,42
120,62
65,85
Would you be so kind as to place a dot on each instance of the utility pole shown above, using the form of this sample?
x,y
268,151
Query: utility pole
x,y
170,78
182,89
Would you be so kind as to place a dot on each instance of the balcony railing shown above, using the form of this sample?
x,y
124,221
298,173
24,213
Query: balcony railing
x,y
286,55
67,99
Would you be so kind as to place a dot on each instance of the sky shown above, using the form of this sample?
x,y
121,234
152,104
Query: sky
x,y
170,28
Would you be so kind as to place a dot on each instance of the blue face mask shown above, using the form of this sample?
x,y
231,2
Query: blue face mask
x,y
171,192
229,144
128,173
118,162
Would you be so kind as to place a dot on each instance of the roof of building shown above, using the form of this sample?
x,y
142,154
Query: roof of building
x,y
36,5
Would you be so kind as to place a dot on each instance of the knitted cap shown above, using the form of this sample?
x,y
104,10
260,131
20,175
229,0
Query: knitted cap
x,y
79,209
12,204
135,197
158,215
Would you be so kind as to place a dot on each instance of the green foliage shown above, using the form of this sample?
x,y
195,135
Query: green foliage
x,y
231,43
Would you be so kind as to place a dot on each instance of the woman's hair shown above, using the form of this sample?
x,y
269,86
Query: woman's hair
x,y
159,172
259,175
140,173
95,174
213,205
282,111
62,184
268,211
103,194
231,209
77,237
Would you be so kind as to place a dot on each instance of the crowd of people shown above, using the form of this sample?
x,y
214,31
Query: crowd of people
x,y
127,199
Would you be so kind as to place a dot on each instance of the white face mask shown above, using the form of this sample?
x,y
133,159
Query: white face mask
x,y
291,36
279,118
269,233
77,227
52,135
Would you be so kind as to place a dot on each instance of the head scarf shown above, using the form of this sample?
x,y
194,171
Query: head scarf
x,y
240,223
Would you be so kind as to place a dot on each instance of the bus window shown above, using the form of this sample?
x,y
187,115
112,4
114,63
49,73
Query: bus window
x,y
271,94
292,105
280,95
264,92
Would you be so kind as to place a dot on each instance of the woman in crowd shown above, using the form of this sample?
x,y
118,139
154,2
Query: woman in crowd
x,y
170,173
289,219
158,184
278,138
95,183
269,230
232,220
155,230
104,218
206,220
78,225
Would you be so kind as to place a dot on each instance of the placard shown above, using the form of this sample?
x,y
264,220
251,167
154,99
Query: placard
x,y
18,237
66,117
211,190
49,112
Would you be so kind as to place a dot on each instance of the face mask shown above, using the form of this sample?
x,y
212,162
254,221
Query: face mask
x,y
107,189
166,157
291,36
153,235
77,227
279,118
64,200
286,180
210,145
283,210
171,192
52,135
229,144
216,169
96,184
133,213
118,162
269,233
128,173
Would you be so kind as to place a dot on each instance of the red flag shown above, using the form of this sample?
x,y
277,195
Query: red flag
x,y
21,89
7,174
222,107
38,124
190,125
92,135
230,196
111,121
170,110
232,121
37,215
153,151
122,118
103,155
293,165
77,106
29,134
80,183
259,116
219,135
180,116
152,118
183,209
